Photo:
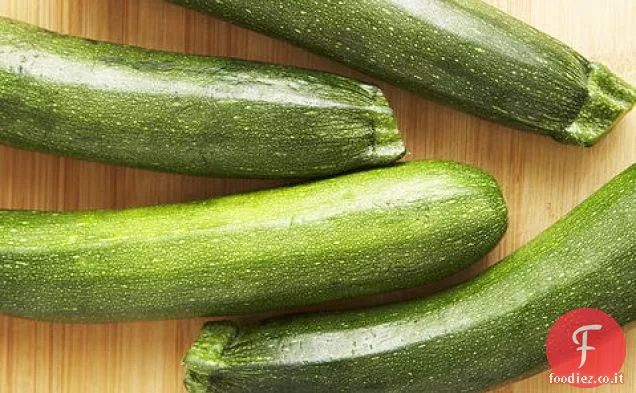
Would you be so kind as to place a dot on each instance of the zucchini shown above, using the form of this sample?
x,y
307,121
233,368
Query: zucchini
x,y
463,53
363,233
471,337
186,114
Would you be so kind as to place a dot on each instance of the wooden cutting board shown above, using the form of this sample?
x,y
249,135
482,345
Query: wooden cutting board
x,y
541,179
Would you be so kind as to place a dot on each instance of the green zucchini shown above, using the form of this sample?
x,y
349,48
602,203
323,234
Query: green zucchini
x,y
464,53
186,114
363,233
471,337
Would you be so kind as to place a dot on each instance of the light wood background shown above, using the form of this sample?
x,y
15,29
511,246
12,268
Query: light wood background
x,y
541,179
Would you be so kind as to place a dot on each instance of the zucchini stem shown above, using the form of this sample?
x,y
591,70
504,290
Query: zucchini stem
x,y
204,359
610,98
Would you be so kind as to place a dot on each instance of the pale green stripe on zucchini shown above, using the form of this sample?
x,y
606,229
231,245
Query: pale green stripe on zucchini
x,y
477,335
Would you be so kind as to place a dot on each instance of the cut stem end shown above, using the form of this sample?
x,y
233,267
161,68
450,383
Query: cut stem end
x,y
610,98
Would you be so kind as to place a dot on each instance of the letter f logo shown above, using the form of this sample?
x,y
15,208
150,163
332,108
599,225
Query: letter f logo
x,y
583,343
569,344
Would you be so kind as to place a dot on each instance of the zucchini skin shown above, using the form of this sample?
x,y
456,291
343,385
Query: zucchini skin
x,y
464,53
186,114
368,232
471,337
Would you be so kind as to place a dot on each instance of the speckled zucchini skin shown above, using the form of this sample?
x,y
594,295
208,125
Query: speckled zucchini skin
x,y
464,53
465,339
368,232
187,114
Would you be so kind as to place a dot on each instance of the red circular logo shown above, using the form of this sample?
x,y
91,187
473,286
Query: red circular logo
x,y
586,348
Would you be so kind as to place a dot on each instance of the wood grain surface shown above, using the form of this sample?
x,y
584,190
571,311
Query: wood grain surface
x,y
541,179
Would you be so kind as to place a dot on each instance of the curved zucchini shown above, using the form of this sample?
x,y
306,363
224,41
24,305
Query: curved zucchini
x,y
368,232
187,114
464,53
471,337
